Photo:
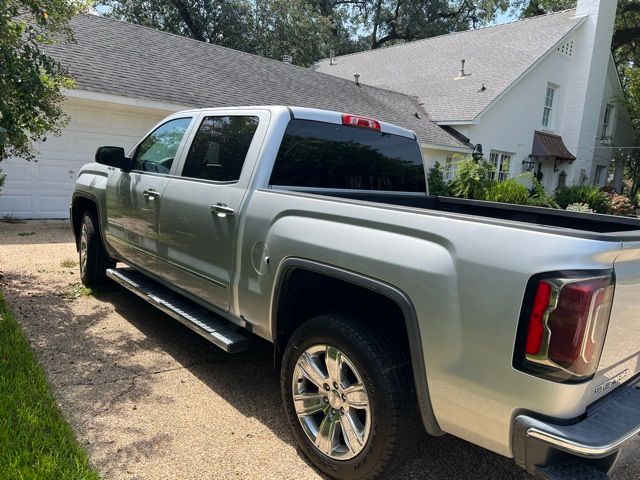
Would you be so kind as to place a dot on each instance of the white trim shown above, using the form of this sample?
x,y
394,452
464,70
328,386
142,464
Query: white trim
x,y
531,67
456,122
122,100
550,116
447,148
499,173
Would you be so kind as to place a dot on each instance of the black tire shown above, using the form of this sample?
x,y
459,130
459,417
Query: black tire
x,y
386,373
93,271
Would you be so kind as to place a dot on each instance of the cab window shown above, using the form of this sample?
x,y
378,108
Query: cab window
x,y
220,147
157,152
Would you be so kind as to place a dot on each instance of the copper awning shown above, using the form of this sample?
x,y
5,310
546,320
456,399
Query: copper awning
x,y
550,145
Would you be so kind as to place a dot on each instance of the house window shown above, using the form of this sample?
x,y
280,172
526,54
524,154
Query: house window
x,y
501,162
450,168
606,122
547,118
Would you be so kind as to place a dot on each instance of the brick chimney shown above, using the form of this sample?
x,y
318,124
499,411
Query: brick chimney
x,y
592,53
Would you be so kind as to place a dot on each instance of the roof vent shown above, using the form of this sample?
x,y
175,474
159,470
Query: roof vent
x,y
462,75
356,76
482,88
566,49
332,57
287,59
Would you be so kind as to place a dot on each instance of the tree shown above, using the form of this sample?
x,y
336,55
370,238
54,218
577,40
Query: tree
x,y
626,35
344,26
291,27
437,184
630,158
391,21
223,22
31,82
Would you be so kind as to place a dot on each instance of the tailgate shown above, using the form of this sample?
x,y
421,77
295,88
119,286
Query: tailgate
x,y
621,355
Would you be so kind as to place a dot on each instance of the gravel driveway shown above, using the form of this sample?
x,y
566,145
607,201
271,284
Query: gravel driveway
x,y
150,399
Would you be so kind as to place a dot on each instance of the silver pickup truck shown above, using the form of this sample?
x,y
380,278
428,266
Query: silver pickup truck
x,y
514,328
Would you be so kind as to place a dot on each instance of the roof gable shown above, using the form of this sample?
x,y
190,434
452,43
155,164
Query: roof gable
x,y
120,58
495,57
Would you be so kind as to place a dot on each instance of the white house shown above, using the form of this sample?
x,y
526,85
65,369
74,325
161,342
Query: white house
x,y
538,94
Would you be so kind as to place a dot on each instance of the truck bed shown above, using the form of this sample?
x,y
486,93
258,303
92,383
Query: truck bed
x,y
618,228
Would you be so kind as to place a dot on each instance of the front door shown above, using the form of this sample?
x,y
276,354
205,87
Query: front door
x,y
201,205
134,198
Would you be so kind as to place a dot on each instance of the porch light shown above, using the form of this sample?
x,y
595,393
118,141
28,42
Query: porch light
x,y
477,154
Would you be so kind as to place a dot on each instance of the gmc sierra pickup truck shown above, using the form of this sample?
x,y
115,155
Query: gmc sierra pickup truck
x,y
514,328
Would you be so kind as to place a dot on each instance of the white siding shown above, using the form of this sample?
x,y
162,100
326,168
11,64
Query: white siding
x,y
583,73
509,125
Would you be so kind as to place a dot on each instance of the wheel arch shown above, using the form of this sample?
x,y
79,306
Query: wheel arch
x,y
390,292
80,202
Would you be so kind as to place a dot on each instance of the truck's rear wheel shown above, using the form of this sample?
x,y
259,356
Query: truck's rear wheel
x,y
348,397
93,260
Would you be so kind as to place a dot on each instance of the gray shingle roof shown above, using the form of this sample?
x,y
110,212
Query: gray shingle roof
x,y
120,58
495,56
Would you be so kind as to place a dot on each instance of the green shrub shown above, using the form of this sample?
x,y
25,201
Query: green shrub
x,y
539,196
437,184
597,200
620,205
507,191
472,179
546,202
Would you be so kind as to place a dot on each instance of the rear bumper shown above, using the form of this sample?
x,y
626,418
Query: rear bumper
x,y
606,437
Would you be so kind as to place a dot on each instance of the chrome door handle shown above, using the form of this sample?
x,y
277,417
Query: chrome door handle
x,y
150,194
221,210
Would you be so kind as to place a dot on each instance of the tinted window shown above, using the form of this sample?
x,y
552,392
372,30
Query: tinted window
x,y
220,147
157,151
324,155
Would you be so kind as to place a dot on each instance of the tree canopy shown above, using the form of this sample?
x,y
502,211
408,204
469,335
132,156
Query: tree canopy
x,y
31,83
306,29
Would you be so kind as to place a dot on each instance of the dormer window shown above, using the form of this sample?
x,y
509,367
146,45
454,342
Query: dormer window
x,y
606,123
547,113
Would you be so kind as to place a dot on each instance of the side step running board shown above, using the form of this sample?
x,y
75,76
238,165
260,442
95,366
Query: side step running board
x,y
212,327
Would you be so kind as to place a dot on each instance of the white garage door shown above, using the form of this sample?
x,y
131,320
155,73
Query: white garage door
x,y
42,188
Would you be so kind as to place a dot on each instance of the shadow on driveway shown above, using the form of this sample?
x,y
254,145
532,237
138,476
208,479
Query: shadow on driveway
x,y
98,368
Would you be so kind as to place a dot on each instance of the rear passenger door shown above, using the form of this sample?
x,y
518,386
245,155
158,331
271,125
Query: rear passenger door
x,y
202,203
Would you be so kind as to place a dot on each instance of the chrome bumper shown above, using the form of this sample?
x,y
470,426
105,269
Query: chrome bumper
x,y
605,437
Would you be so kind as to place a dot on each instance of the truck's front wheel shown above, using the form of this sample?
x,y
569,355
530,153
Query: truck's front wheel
x,y
93,260
347,393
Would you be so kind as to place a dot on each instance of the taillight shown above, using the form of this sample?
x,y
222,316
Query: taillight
x,y
566,323
362,122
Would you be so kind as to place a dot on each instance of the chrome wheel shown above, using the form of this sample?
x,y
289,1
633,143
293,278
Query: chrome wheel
x,y
83,248
331,402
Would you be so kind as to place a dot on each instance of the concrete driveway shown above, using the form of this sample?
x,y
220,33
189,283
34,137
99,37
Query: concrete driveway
x,y
149,399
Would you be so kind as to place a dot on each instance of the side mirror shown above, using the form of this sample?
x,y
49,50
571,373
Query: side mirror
x,y
113,157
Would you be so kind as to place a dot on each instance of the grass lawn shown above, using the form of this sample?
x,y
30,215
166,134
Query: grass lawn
x,y
35,440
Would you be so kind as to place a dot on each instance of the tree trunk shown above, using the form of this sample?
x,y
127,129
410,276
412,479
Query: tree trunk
x,y
376,21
